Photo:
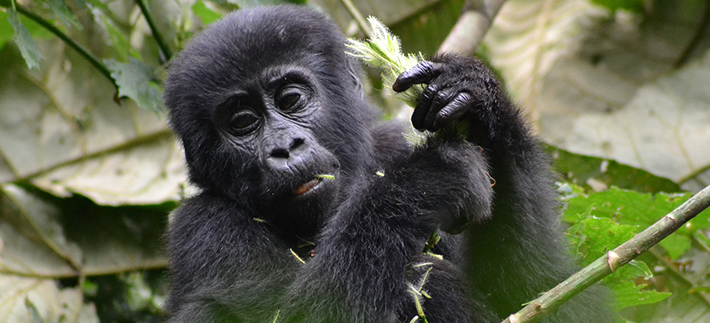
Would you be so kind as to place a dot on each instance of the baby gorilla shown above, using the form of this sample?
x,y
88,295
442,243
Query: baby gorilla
x,y
266,101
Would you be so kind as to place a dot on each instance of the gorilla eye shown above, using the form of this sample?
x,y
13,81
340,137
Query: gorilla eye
x,y
288,99
243,122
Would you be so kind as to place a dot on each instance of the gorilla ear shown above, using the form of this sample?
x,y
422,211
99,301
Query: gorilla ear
x,y
355,79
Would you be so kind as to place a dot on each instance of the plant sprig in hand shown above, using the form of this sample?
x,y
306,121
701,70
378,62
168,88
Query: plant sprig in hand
x,y
384,52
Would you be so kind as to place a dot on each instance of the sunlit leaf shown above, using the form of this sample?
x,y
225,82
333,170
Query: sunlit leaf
x,y
205,13
621,86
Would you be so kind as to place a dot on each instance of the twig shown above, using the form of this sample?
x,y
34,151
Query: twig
x,y
80,49
613,260
359,19
473,24
164,48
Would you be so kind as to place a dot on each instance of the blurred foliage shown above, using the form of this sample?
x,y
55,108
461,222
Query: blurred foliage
x,y
594,173
631,5
89,169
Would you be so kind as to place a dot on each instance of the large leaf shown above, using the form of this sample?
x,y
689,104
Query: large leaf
x,y
615,86
44,237
48,237
40,300
61,130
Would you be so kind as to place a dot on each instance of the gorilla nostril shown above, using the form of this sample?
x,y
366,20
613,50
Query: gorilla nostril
x,y
297,142
279,153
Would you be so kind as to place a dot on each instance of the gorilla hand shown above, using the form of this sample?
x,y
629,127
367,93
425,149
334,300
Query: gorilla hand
x,y
452,174
458,88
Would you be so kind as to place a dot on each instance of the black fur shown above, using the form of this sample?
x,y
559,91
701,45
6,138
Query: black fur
x,y
264,101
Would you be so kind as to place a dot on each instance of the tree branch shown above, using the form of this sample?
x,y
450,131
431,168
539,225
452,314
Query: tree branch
x,y
80,49
468,32
613,260
361,22
164,48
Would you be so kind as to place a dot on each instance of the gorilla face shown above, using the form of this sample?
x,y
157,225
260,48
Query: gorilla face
x,y
272,119
261,117
269,121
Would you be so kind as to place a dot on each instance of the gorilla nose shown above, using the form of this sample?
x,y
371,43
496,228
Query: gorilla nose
x,y
281,157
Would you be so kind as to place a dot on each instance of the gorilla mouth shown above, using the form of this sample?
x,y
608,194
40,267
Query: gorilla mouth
x,y
307,186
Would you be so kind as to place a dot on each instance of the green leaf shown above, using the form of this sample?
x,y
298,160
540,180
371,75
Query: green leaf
x,y
134,81
628,294
6,31
62,11
614,5
258,3
93,4
627,207
639,210
205,13
24,41
676,245
117,38
424,30
593,236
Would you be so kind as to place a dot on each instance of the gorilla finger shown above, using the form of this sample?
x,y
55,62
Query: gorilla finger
x,y
440,101
453,111
423,72
423,106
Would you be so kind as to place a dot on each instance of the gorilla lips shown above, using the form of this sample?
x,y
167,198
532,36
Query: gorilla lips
x,y
306,187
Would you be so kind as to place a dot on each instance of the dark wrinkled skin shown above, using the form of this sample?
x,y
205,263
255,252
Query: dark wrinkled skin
x,y
265,100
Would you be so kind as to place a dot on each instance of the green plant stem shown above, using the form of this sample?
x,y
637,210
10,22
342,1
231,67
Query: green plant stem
x,y
80,49
167,52
613,260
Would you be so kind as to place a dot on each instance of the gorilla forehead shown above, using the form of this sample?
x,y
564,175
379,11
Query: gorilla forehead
x,y
245,42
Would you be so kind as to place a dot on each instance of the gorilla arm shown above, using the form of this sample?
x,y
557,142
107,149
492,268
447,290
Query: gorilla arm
x,y
360,270
524,229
